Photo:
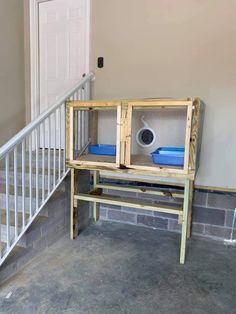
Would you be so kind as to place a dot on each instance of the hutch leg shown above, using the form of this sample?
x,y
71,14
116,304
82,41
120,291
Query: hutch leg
x,y
185,221
190,209
73,205
96,211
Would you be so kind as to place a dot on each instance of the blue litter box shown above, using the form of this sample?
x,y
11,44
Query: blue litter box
x,y
171,156
102,149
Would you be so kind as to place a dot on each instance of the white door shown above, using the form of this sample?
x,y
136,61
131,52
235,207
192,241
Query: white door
x,y
63,50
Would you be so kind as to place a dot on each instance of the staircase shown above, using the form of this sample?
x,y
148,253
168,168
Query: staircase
x,y
32,167
22,217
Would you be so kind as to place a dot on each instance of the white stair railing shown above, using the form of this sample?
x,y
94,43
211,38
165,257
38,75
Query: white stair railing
x,y
32,166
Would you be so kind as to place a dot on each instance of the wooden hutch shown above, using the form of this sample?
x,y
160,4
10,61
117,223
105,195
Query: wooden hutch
x,y
126,161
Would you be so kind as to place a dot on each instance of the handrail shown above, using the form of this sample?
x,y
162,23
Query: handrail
x,y
33,165
27,129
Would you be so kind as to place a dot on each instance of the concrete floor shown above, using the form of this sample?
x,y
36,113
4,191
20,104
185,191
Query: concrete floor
x,y
117,268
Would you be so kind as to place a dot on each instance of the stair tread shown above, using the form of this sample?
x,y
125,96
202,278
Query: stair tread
x,y
12,218
4,232
3,228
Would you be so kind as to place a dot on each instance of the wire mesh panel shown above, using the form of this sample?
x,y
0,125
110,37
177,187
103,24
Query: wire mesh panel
x,y
93,133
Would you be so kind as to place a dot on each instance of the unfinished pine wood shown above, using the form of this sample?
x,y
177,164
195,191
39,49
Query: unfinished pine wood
x,y
143,179
158,169
128,135
149,179
96,158
93,162
71,134
191,189
146,160
137,170
123,132
141,190
160,103
118,135
187,137
184,221
125,163
93,104
73,205
196,132
183,213
96,209
67,131
129,203
93,126
145,163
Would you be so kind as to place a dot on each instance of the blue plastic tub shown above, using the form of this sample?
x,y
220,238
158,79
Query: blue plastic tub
x,y
171,156
102,149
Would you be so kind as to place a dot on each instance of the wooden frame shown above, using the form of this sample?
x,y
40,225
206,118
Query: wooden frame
x,y
89,106
183,212
123,163
161,104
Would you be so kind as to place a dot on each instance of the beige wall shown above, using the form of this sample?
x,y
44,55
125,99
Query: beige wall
x,y
155,48
12,104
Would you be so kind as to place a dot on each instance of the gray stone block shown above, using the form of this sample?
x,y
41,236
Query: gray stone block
x,y
159,198
223,201
154,222
22,242
200,198
33,233
83,224
12,202
30,253
8,270
234,234
103,212
33,178
137,211
153,198
174,226
198,228
40,243
107,206
119,215
210,216
216,231
44,212
121,193
52,225
83,209
59,200
165,215
53,237
229,215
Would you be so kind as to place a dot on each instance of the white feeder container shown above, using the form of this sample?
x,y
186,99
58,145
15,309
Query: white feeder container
x,y
146,136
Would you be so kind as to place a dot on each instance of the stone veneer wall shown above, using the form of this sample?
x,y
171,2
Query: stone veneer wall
x,y
212,213
212,217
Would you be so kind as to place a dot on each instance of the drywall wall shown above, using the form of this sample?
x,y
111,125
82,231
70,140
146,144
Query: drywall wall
x,y
158,48
168,126
12,103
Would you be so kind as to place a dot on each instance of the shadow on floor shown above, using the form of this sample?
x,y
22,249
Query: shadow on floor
x,y
116,268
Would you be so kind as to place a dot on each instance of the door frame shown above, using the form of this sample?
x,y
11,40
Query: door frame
x,y
33,68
